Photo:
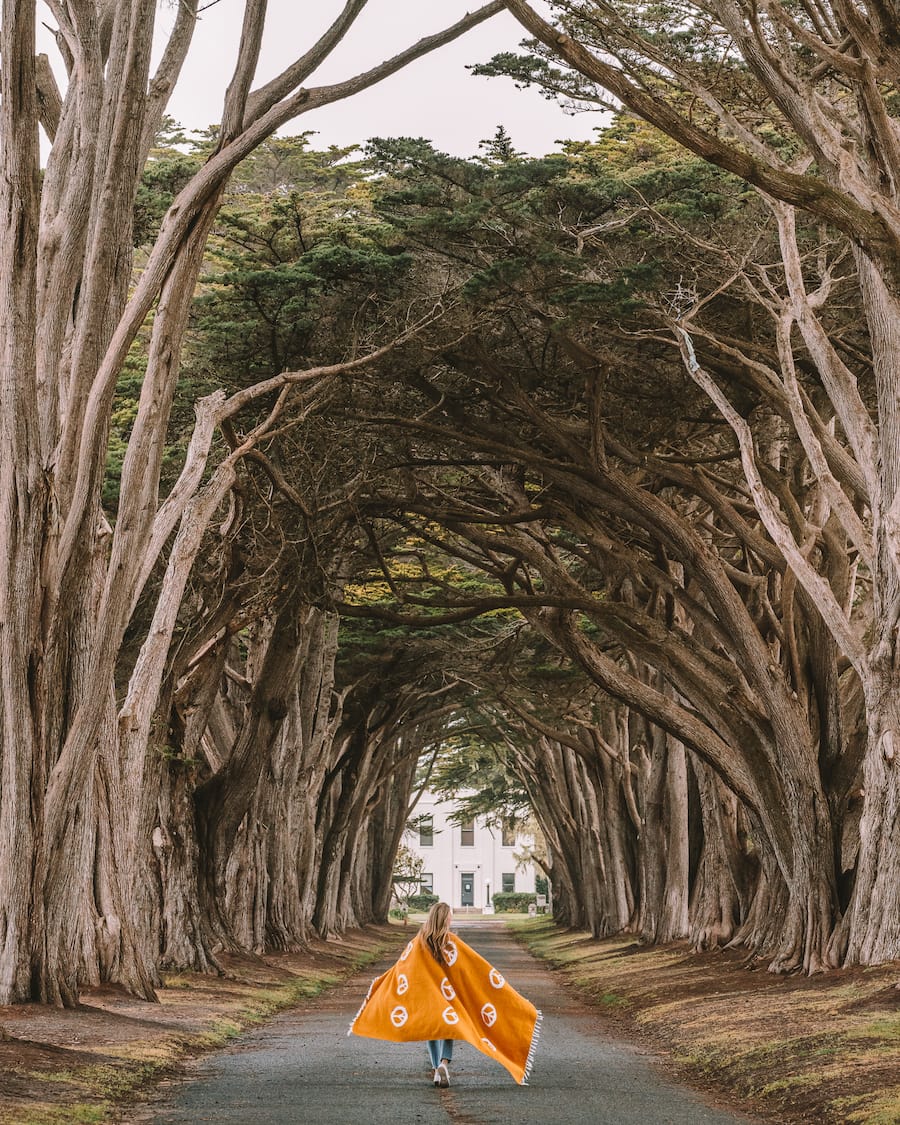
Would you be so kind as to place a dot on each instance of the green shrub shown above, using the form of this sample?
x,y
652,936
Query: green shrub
x,y
422,903
513,902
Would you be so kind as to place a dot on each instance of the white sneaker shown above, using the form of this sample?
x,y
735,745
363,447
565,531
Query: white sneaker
x,y
442,1076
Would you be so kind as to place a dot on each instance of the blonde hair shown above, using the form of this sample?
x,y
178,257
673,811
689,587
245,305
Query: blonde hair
x,y
435,930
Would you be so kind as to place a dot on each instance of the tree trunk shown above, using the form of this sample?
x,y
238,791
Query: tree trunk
x,y
298,774
871,928
223,802
386,828
23,497
348,810
718,899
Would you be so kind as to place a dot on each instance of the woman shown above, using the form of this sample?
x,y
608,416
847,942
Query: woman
x,y
435,933
440,990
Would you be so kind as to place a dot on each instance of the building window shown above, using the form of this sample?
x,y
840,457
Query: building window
x,y
508,834
426,883
509,882
467,834
426,832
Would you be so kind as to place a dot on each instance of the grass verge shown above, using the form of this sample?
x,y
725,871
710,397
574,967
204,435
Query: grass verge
x,y
789,1049
86,1065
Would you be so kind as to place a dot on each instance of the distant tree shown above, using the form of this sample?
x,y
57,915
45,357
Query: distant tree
x,y
407,875
171,162
499,149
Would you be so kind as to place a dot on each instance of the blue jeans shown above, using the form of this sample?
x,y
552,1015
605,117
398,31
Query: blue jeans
x,y
440,1049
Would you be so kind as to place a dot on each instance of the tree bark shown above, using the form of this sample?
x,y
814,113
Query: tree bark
x,y
23,510
223,802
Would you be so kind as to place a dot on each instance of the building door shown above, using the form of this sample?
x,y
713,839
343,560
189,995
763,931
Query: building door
x,y
467,889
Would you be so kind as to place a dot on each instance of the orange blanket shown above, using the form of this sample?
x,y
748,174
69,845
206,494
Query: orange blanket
x,y
464,999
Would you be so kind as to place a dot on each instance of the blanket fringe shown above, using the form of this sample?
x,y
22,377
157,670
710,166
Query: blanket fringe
x,y
361,1007
532,1050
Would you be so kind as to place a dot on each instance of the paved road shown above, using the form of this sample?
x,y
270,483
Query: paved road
x,y
302,1067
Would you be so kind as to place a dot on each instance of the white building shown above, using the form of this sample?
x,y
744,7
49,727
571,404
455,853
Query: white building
x,y
465,865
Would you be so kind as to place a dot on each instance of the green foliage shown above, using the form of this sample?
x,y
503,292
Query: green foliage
x,y
475,770
499,149
168,170
531,70
291,269
510,229
422,903
281,165
512,902
128,391
407,874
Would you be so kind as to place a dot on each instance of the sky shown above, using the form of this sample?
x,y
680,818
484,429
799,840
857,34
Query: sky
x,y
435,98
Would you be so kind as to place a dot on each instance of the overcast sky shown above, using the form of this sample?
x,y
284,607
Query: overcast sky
x,y
436,97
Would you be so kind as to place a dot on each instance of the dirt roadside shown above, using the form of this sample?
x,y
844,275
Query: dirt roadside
x,y
790,1049
59,1067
